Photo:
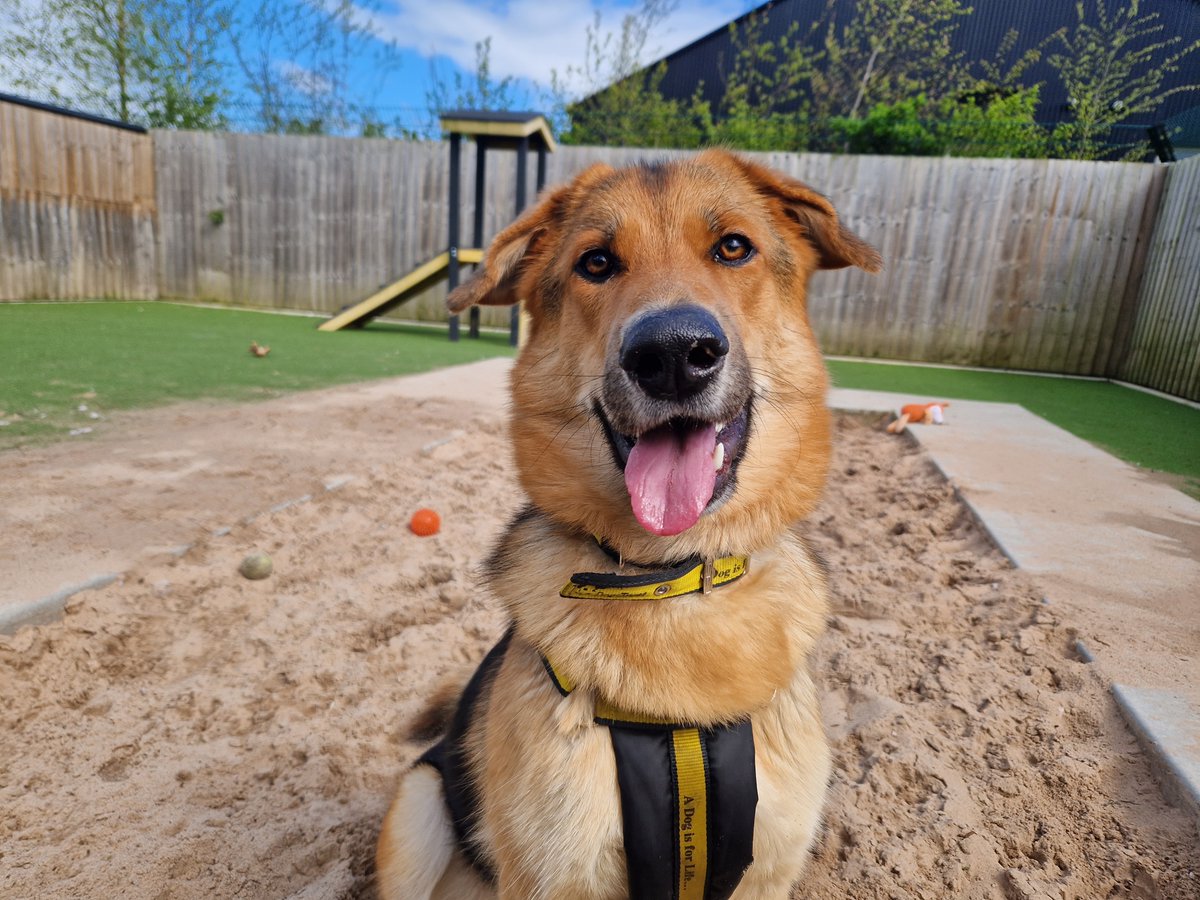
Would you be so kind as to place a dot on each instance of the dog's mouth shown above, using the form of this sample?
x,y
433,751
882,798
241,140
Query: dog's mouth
x,y
680,469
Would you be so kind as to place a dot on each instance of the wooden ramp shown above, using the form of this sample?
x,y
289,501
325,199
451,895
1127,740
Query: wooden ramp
x,y
398,291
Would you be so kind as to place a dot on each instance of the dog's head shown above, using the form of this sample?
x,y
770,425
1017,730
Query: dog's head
x,y
670,397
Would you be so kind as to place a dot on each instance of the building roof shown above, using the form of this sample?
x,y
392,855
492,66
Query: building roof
x,y
71,113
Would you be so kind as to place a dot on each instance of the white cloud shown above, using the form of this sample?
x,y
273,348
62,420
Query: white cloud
x,y
532,37
306,81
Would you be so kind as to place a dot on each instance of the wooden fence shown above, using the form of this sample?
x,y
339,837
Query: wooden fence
x,y
310,223
1045,265
1164,346
1022,264
76,208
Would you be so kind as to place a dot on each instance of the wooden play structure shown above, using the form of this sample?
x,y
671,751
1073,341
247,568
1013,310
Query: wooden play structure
x,y
491,129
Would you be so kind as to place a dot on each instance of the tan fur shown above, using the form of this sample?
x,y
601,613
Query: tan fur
x,y
551,825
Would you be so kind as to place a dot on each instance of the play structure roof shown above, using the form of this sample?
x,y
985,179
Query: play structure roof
x,y
502,127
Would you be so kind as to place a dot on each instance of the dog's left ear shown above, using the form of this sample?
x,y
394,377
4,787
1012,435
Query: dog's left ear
x,y
498,282
837,247
495,283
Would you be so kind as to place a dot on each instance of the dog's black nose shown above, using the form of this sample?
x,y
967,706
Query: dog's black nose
x,y
674,353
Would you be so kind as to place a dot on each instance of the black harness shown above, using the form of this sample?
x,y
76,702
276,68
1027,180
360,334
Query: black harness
x,y
449,757
688,795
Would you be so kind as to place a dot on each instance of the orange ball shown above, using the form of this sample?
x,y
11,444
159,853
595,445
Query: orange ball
x,y
424,522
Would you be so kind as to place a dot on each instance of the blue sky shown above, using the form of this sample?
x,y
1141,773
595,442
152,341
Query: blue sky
x,y
529,40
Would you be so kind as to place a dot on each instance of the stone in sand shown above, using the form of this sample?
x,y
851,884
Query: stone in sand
x,y
256,566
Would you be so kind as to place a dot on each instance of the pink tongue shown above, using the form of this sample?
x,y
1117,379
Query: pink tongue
x,y
670,478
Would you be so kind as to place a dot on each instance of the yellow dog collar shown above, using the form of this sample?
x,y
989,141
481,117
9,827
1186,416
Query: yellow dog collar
x,y
688,577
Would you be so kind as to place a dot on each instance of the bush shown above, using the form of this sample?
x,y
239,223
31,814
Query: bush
x,y
999,126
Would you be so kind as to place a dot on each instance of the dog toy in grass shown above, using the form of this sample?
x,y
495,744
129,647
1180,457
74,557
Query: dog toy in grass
x,y
257,349
918,414
424,522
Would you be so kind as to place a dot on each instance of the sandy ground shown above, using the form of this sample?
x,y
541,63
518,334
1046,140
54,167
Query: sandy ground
x,y
188,733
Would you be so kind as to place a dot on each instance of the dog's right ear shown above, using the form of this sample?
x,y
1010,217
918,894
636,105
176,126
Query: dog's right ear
x,y
499,281
836,246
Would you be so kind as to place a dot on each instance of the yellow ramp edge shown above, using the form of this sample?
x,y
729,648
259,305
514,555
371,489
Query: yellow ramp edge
x,y
393,293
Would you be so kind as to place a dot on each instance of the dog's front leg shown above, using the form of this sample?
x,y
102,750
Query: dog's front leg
x,y
552,805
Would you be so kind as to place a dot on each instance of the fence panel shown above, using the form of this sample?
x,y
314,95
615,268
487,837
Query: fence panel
x,y
1022,264
309,223
76,208
1164,347
1019,264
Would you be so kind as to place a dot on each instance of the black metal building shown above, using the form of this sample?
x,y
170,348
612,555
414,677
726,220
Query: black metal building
x,y
706,61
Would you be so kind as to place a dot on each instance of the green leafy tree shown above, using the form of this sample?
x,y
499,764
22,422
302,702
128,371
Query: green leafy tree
x,y
373,128
89,53
890,129
185,83
889,51
479,90
634,113
765,104
157,63
1113,70
1004,125
615,100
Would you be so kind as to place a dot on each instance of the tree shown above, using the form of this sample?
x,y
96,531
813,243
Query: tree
x,y
157,63
320,40
1113,70
634,113
185,80
889,51
766,103
612,99
1003,126
480,90
89,53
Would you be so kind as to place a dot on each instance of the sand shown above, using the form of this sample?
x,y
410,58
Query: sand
x,y
187,733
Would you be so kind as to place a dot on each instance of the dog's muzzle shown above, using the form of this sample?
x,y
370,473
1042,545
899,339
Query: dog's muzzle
x,y
676,412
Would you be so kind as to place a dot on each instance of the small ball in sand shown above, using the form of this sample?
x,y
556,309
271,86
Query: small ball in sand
x,y
424,522
256,566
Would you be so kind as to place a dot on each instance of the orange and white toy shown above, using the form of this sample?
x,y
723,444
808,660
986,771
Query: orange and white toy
x,y
918,414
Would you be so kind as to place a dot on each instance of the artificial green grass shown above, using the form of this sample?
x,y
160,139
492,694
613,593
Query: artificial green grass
x,y
1140,428
55,357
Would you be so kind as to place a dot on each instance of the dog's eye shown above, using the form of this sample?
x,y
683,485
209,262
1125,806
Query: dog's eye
x,y
733,249
597,265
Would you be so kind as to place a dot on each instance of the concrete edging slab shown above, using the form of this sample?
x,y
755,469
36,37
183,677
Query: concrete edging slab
x,y
1165,724
50,608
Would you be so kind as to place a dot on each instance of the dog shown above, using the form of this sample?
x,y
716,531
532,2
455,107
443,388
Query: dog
x,y
648,727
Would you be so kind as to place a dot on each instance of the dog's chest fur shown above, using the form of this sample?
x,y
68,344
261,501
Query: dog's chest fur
x,y
531,743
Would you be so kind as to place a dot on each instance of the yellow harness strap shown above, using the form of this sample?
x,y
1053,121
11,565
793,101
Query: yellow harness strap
x,y
687,753
688,796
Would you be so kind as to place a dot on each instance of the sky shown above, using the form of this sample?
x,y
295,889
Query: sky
x,y
532,37
529,39
426,40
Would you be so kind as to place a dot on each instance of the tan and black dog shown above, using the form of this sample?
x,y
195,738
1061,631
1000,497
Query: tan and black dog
x,y
648,726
